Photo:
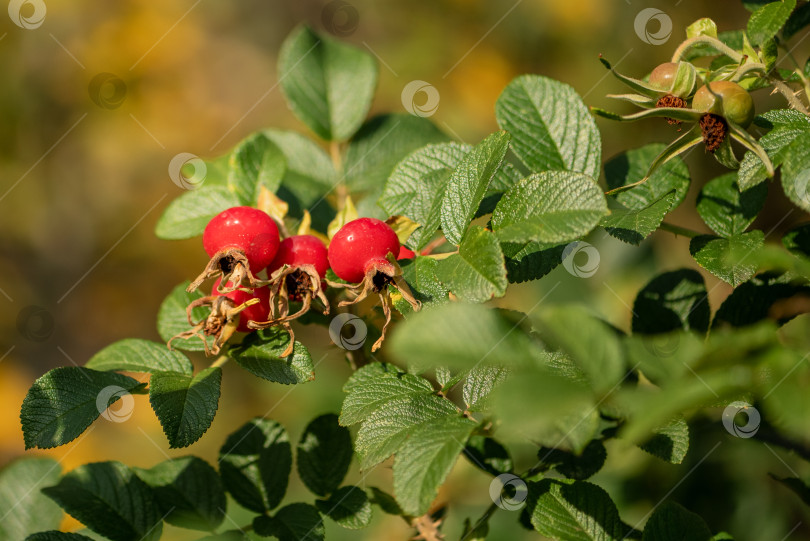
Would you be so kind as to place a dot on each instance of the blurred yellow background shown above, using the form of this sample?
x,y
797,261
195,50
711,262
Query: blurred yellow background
x,y
84,176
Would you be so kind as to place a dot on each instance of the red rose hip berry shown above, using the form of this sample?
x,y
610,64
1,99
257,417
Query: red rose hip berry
x,y
301,250
405,253
364,253
247,229
230,312
359,242
241,241
296,274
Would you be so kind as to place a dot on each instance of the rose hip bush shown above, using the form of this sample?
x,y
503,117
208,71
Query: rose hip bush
x,y
430,230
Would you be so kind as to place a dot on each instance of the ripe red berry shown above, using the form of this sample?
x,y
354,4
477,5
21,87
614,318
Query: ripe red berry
x,y
406,253
247,229
358,244
256,312
301,250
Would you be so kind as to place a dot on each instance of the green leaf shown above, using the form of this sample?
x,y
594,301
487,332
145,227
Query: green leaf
x,y
671,301
555,409
255,162
260,354
797,240
324,454
672,522
488,455
136,355
550,125
797,22
477,272
468,184
309,175
633,165
575,466
730,259
172,320
184,404
554,207
61,404
443,376
727,210
702,27
796,485
111,500
669,442
187,216
25,510
375,385
328,85
188,492
420,275
423,463
294,522
479,383
348,506
796,172
786,410
574,511
590,343
786,127
664,358
255,463
385,430
417,184
381,144
754,300
633,226
386,502
56,535
461,335
530,260
768,20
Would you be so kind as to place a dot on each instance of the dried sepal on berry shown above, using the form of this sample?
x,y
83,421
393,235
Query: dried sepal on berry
x,y
300,283
222,322
233,266
380,275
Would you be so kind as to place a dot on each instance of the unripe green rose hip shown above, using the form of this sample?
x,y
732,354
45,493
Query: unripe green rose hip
x,y
734,103
663,75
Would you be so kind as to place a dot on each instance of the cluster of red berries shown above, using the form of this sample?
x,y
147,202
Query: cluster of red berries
x,y
244,241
